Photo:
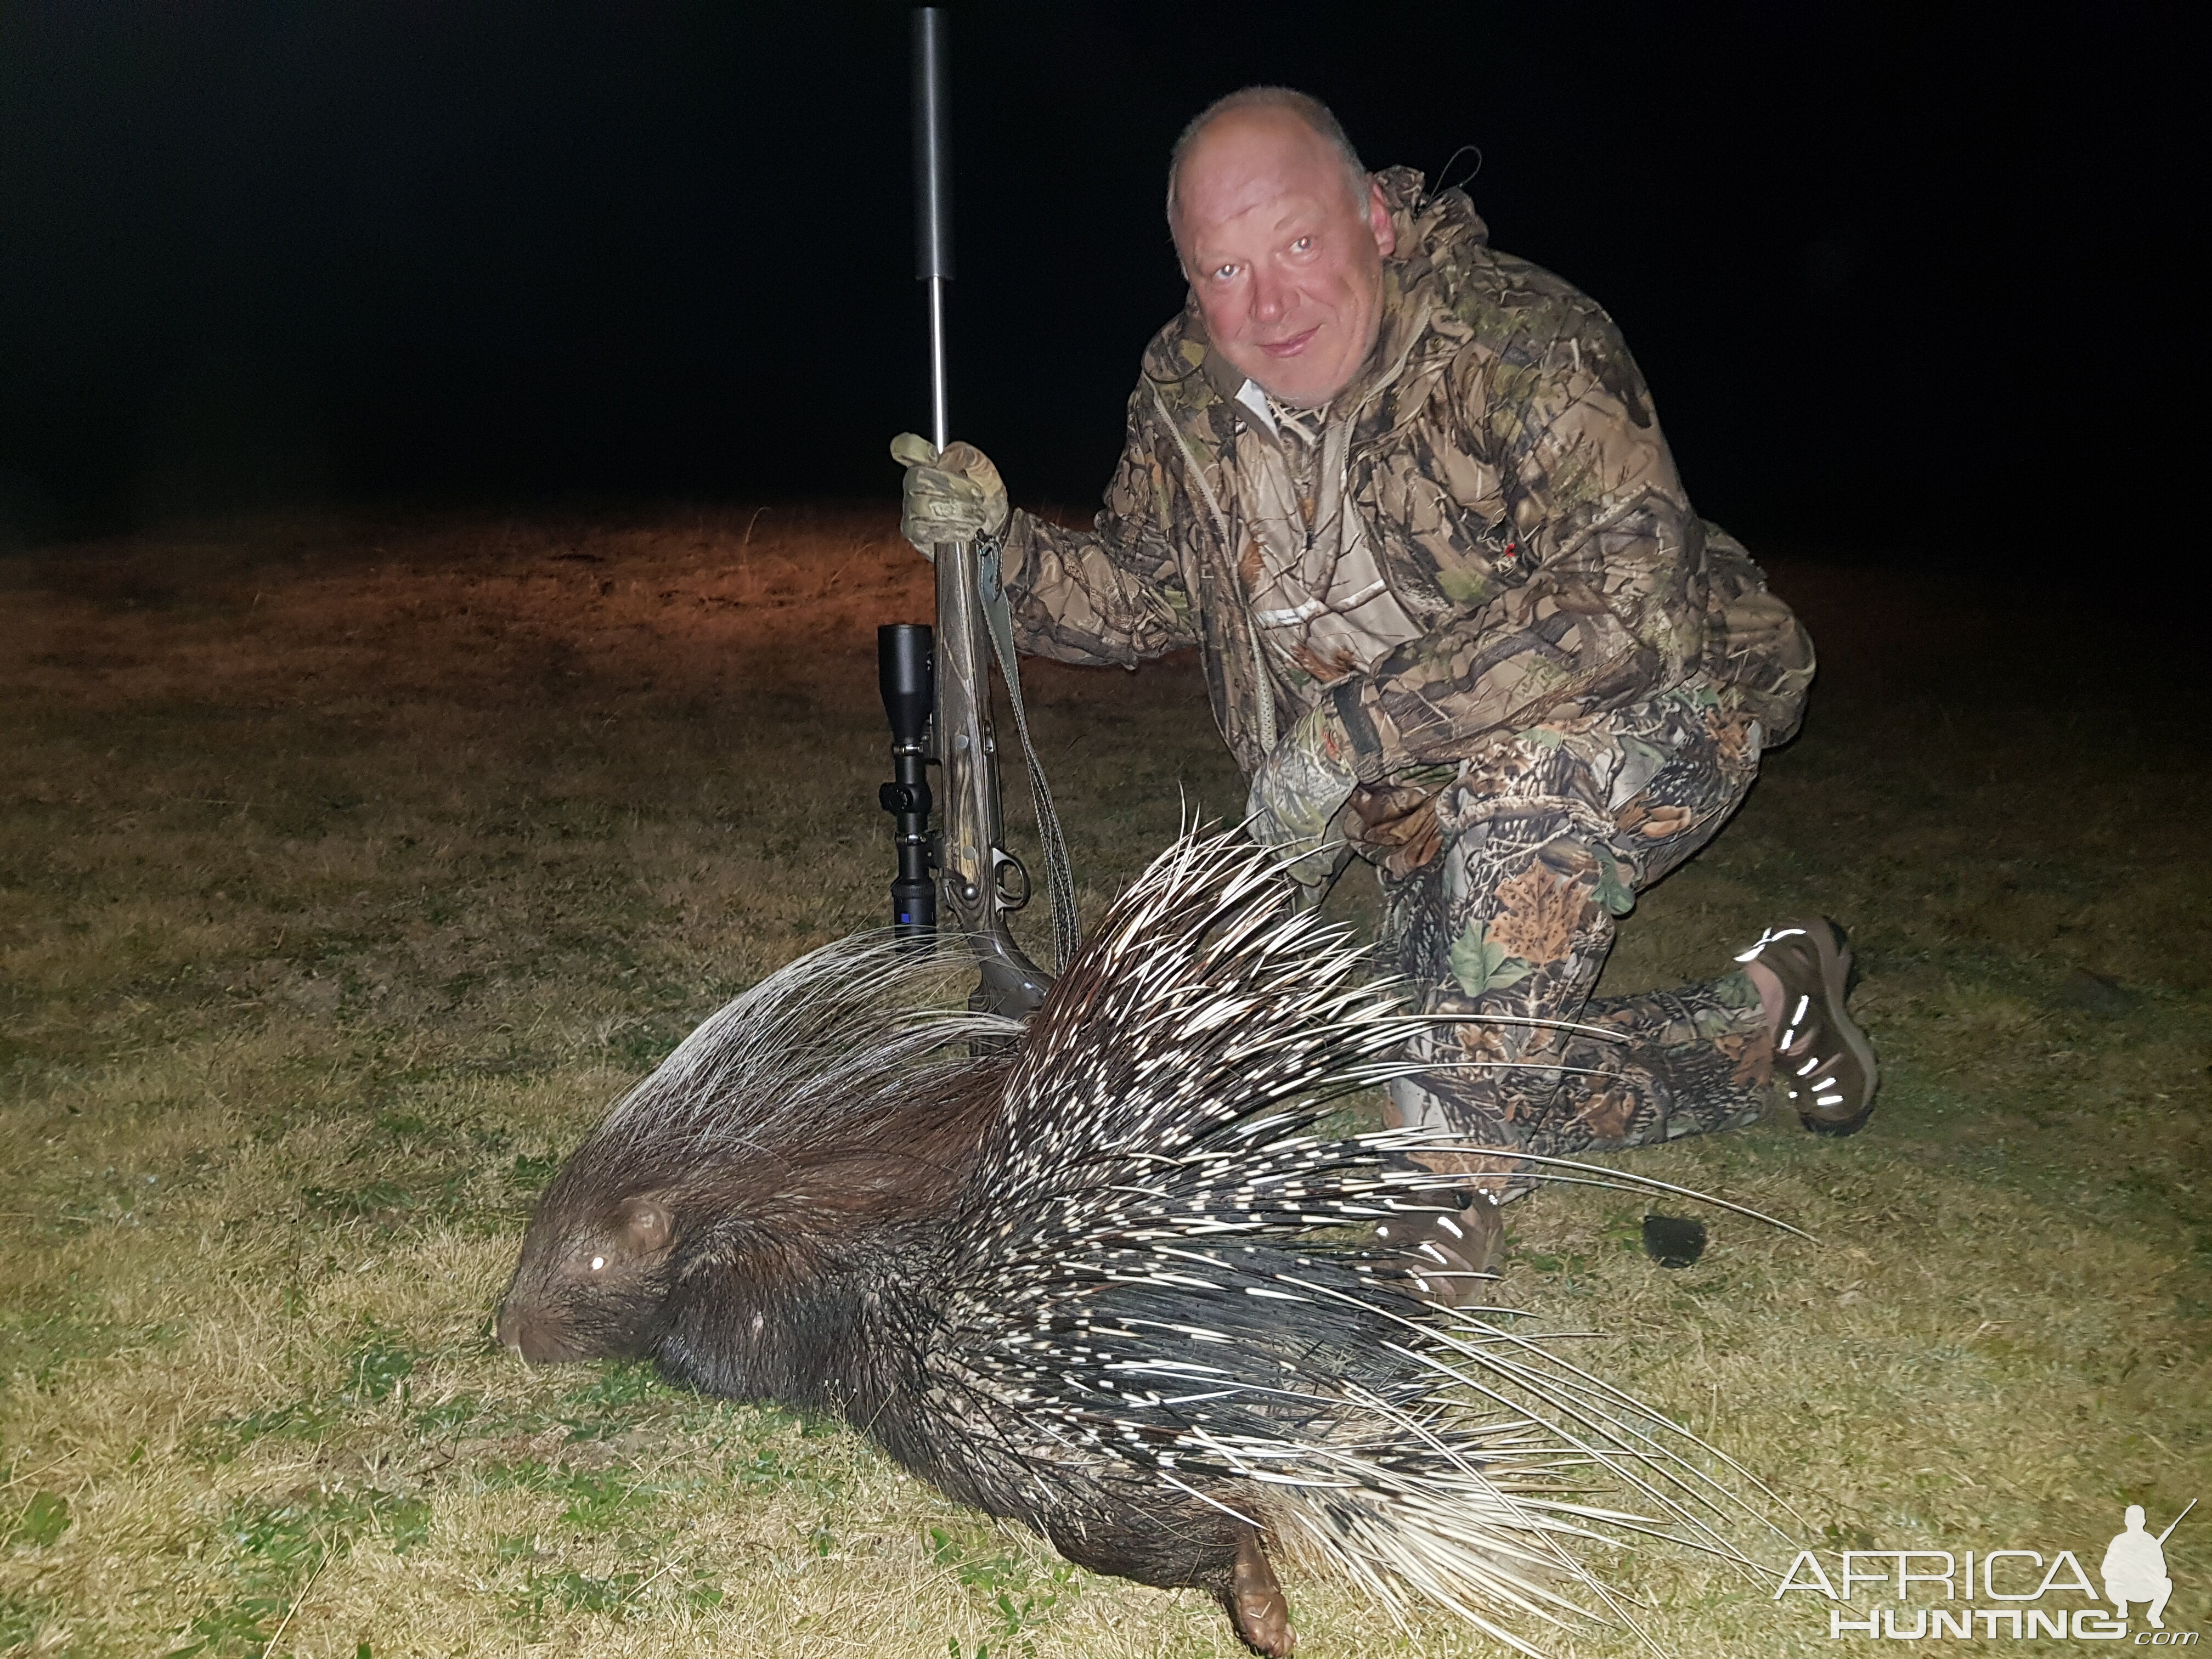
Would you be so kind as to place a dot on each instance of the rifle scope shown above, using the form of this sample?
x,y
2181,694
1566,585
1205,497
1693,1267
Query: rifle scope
x,y
906,669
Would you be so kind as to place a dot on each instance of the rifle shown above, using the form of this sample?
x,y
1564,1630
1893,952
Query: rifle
x,y
937,693
2176,1521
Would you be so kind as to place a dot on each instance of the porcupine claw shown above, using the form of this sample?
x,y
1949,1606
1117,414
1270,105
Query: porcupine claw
x,y
1255,1602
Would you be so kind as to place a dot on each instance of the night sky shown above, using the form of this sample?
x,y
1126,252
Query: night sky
x,y
1888,278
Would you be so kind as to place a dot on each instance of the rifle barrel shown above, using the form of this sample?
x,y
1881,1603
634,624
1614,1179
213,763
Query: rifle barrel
x,y
932,192
2176,1521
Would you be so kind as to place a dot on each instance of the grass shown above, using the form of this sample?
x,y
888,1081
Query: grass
x,y
348,868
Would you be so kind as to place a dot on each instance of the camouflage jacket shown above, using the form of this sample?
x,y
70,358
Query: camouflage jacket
x,y
1522,505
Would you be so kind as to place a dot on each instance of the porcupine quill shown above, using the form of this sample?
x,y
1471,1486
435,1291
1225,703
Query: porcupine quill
x,y
1102,1283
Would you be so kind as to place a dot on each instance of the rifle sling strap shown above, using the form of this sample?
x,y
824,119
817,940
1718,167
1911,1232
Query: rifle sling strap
x,y
1066,927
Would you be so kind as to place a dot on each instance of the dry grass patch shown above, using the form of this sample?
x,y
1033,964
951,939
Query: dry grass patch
x,y
348,869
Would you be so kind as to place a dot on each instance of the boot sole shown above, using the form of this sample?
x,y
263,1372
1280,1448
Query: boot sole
x,y
1838,972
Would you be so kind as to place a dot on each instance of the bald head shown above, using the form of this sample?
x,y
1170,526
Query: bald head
x,y
1282,236
1310,111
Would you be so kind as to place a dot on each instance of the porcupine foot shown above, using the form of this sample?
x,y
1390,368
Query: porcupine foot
x,y
1255,1602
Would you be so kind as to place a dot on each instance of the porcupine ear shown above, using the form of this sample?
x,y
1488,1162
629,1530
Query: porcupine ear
x,y
647,1224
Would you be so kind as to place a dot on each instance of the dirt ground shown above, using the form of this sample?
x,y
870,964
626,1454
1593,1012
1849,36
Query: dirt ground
x,y
348,869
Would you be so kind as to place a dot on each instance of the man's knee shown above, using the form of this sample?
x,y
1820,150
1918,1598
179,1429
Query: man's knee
x,y
1529,935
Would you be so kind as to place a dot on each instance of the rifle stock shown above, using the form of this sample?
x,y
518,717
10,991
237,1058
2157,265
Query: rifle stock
x,y
980,883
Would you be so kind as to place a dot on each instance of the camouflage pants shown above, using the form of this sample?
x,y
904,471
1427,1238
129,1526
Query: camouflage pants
x,y
1537,847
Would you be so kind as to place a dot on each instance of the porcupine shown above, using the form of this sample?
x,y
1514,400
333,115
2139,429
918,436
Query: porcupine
x,y
1093,1273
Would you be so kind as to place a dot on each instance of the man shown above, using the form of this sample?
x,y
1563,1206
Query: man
x,y
1407,495
2134,1569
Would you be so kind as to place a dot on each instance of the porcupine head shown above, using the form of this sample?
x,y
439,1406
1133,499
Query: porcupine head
x,y
733,1213
597,1266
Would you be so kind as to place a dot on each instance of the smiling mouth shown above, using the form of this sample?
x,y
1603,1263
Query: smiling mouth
x,y
1291,347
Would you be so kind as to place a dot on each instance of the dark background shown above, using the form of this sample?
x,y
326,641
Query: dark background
x,y
1888,274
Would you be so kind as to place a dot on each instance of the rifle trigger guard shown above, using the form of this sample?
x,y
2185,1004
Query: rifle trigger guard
x,y
1010,897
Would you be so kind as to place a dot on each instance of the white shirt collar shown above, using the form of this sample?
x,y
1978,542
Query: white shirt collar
x,y
1256,400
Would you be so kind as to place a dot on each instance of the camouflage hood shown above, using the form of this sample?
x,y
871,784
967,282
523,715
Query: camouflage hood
x,y
1501,453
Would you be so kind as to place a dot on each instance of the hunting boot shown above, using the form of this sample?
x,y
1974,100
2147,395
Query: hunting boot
x,y
1449,1257
1822,1060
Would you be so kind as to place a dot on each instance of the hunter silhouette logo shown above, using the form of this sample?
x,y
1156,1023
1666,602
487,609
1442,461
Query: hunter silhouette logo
x,y
2014,1593
2134,1567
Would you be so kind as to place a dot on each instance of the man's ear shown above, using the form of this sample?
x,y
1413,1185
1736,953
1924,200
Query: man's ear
x,y
1379,221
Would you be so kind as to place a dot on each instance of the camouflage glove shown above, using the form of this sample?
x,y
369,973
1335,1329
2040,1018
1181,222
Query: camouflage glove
x,y
953,497
1297,793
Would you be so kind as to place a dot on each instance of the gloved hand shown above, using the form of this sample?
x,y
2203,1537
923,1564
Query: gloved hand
x,y
956,497
1298,793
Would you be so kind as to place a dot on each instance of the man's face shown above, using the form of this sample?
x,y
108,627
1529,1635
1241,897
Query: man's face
x,y
1286,265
